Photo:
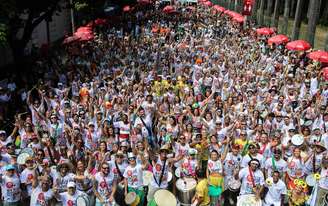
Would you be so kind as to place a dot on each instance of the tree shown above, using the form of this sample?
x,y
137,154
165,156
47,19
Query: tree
x,y
275,17
326,43
269,11
21,18
298,20
286,17
260,16
313,20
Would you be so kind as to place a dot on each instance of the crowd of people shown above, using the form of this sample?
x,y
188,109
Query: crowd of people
x,y
189,96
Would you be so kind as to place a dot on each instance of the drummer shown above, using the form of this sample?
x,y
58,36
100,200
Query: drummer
x,y
201,197
133,175
190,164
252,179
161,168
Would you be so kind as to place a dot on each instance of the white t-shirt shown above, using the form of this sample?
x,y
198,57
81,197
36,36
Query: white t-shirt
x,y
246,180
70,200
273,196
114,169
40,198
26,177
231,163
247,158
323,182
10,188
281,166
180,150
61,182
134,176
104,184
214,166
157,172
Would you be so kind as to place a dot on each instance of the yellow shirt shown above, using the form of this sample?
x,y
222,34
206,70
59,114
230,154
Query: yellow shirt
x,y
202,191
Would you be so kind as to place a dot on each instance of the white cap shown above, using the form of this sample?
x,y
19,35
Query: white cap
x,y
71,184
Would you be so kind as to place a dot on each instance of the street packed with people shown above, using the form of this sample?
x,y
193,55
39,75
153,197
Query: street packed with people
x,y
169,107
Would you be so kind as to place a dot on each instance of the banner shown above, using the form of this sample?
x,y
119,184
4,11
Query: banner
x,y
247,7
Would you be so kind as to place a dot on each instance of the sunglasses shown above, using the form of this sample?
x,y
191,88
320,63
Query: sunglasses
x,y
131,159
105,168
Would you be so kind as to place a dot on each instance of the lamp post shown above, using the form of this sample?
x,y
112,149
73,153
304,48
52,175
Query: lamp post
x,y
72,16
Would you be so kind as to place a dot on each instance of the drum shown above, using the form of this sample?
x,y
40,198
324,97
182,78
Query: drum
x,y
119,194
310,180
22,158
186,188
147,177
82,200
297,139
177,172
163,198
169,177
132,199
234,185
248,200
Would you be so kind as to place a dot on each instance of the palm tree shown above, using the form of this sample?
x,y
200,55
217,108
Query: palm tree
x,y
275,17
298,20
269,11
260,15
326,43
313,20
286,16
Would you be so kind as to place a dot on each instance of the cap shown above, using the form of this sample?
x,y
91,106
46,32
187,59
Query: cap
x,y
164,148
131,155
124,144
9,167
91,124
2,132
71,184
254,161
192,151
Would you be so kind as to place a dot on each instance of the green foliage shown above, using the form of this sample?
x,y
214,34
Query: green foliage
x,y
3,34
80,6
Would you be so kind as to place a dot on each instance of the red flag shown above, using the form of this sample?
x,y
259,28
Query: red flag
x,y
247,8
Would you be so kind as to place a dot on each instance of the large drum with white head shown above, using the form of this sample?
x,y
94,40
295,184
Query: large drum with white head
x,y
248,200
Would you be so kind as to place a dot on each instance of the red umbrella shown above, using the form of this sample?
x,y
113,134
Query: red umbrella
x,y
144,1
321,56
298,45
126,8
264,31
278,39
239,19
84,29
201,1
100,21
219,8
325,73
207,3
168,9
86,36
70,39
